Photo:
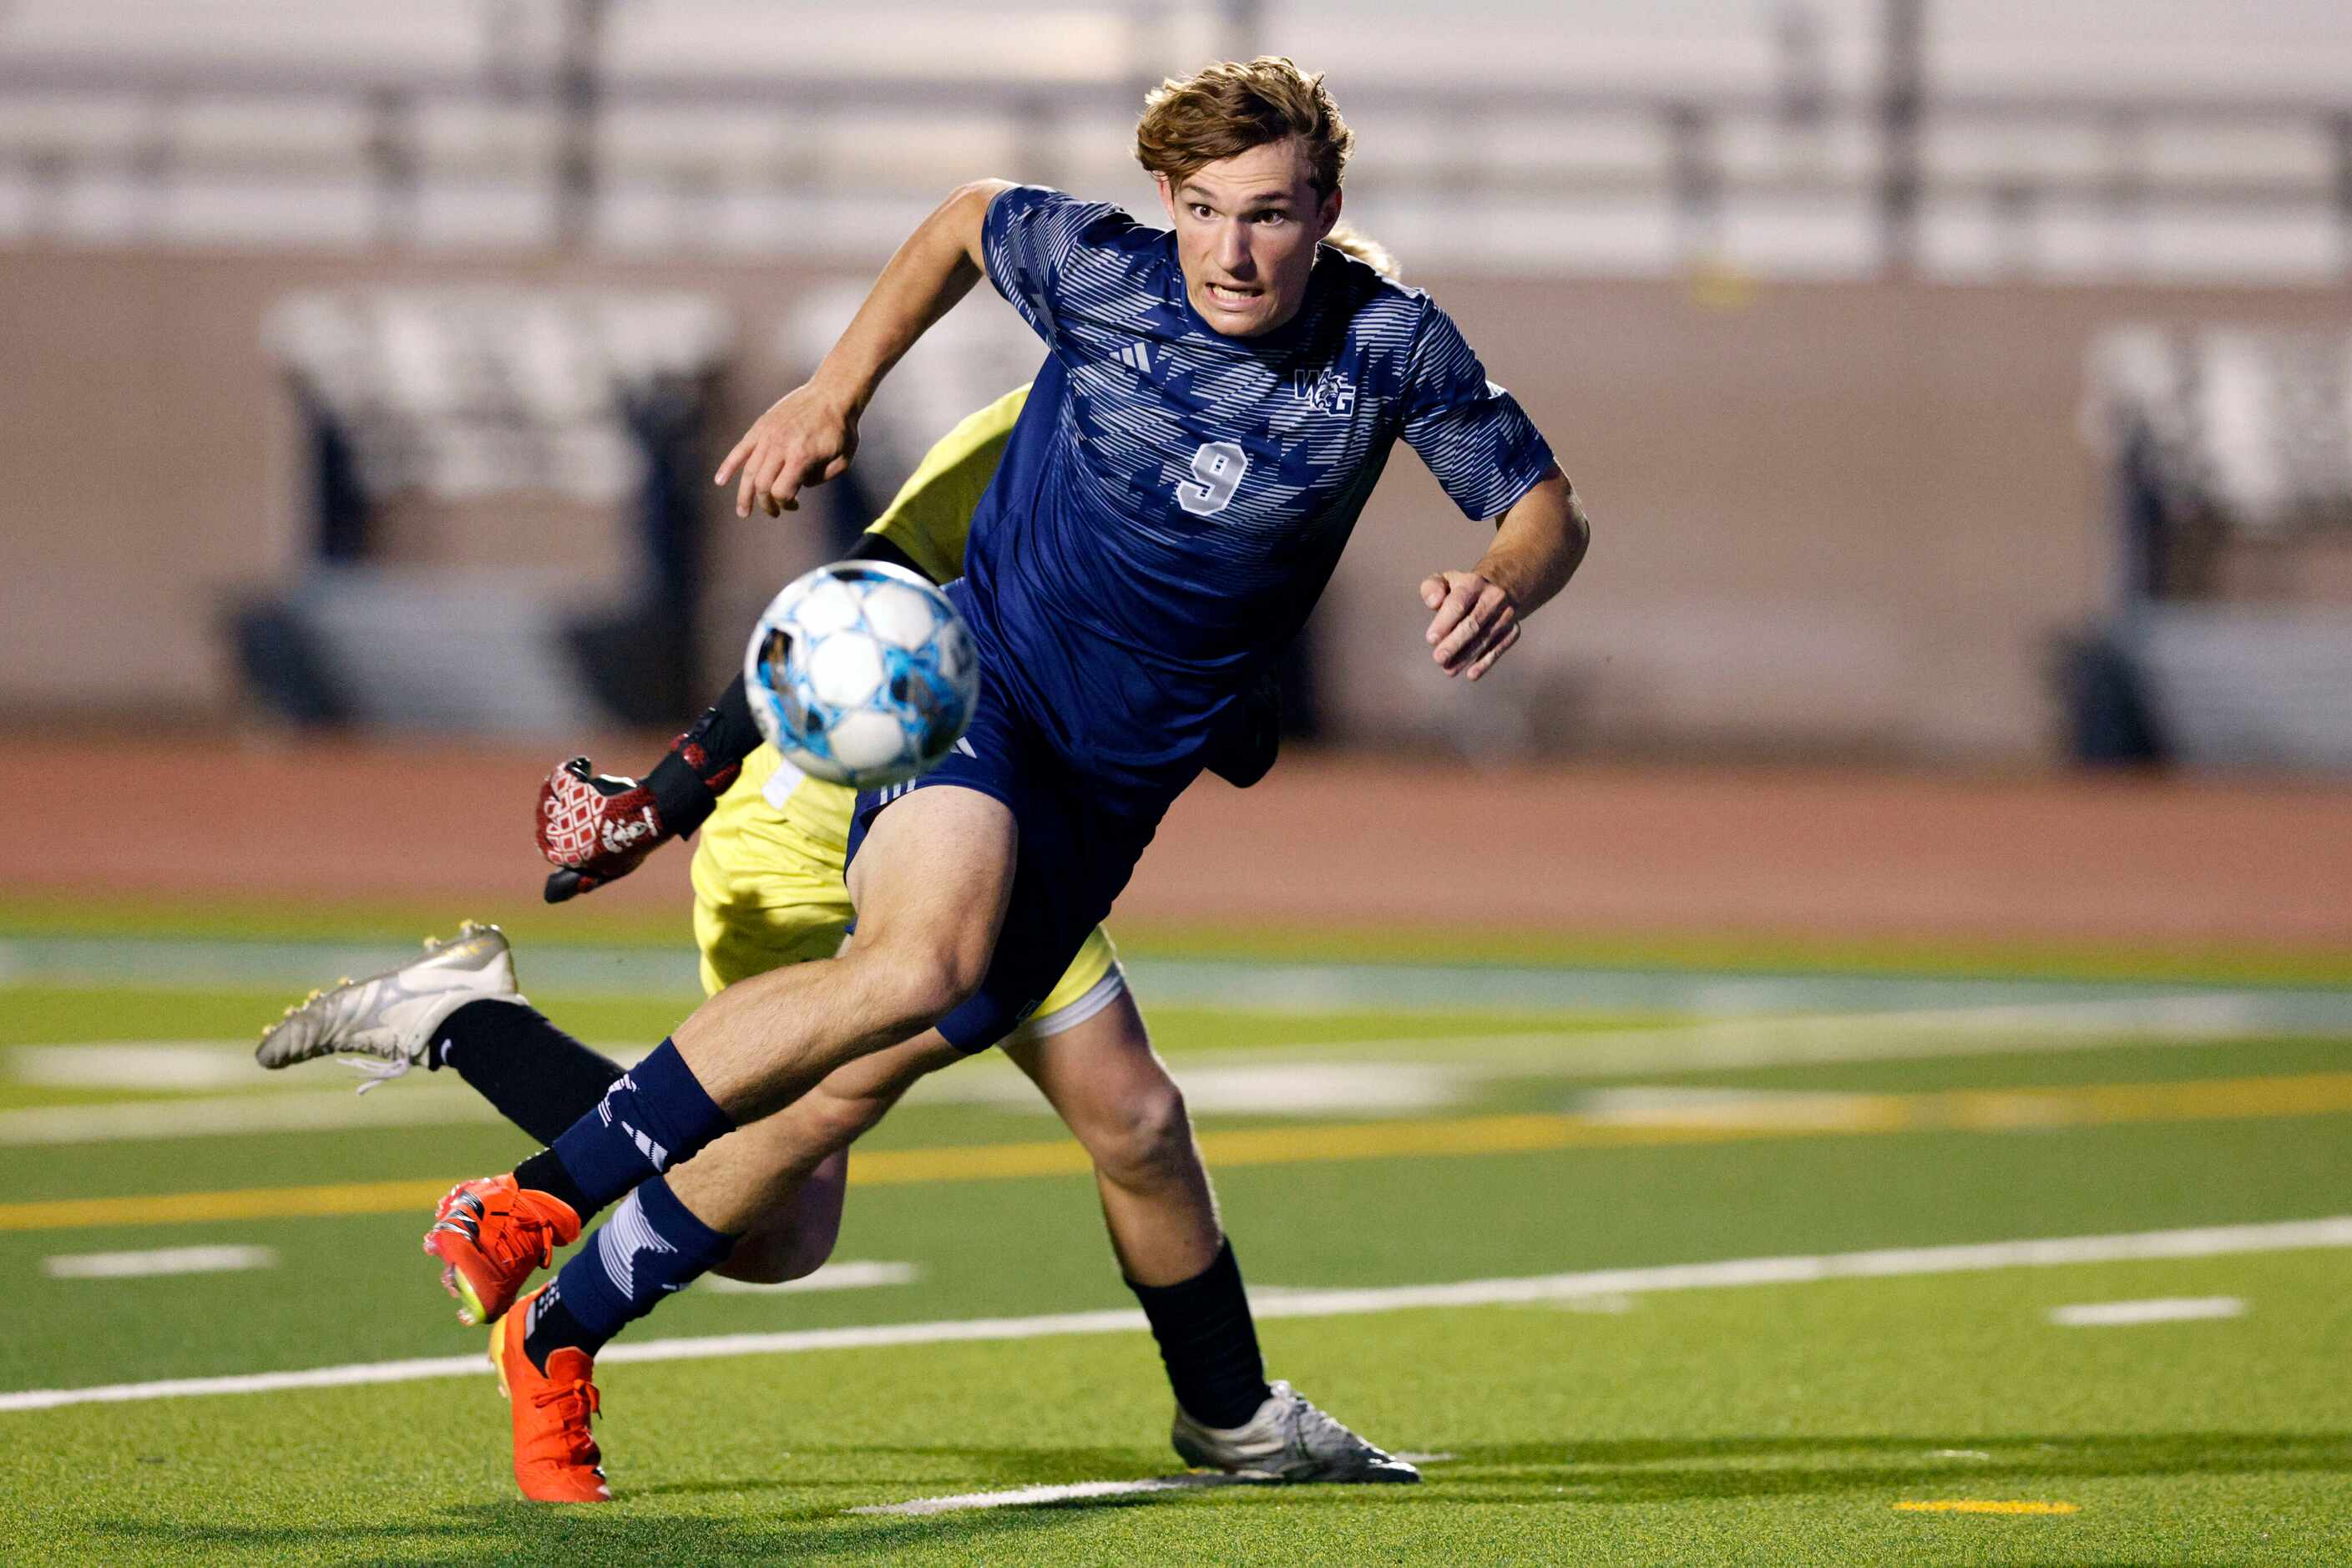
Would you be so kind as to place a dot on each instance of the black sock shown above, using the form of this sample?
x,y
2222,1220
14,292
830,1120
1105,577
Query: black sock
x,y
1208,1341
543,1172
552,1327
533,1073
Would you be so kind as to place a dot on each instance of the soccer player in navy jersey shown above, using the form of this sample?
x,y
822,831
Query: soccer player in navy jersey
x,y
1216,405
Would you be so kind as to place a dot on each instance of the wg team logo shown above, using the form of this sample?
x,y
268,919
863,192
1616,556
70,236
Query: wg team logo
x,y
1327,392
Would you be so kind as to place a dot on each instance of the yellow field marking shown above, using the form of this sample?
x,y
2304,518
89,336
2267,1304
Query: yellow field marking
x,y
1984,1505
241,1202
1973,1111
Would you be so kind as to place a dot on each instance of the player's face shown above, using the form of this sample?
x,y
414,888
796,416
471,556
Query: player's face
x,y
1246,228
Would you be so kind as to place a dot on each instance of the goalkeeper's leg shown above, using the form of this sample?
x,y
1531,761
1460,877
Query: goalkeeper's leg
x,y
1111,1089
542,1079
455,1008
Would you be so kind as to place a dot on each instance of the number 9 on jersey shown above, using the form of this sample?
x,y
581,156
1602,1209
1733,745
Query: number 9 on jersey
x,y
1217,470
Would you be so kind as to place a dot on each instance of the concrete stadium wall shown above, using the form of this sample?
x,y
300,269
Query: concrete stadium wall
x,y
1833,518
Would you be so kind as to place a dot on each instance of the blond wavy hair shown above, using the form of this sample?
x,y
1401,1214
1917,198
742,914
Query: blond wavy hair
x,y
1233,106
1348,240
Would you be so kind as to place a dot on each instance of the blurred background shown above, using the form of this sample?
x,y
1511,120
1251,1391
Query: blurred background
x,y
1962,387
1919,842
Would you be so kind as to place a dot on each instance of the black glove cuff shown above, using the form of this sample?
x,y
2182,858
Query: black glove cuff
x,y
680,795
875,547
726,733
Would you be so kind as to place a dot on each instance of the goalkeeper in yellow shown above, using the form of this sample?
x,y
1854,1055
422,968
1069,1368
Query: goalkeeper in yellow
x,y
769,892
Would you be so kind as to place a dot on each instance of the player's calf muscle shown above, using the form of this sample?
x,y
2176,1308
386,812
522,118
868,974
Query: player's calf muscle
x,y
793,1240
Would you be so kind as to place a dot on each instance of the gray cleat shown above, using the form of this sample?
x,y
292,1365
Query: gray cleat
x,y
392,1017
1288,1440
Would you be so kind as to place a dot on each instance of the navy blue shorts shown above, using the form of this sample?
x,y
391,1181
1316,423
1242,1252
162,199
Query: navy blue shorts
x,y
1074,859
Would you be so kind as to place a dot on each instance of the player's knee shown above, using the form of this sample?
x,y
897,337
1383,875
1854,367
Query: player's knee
x,y
928,988
835,1122
1150,1142
927,981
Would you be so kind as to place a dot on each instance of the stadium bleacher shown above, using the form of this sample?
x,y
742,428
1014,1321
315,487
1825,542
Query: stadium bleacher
x,y
2066,139
2229,621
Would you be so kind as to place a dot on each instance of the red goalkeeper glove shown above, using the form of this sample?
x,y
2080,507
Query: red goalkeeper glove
x,y
595,826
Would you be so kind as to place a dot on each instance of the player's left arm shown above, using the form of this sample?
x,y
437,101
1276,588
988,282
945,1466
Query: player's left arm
x,y
1490,459
1538,543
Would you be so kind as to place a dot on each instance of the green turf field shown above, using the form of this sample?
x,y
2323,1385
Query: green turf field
x,y
1727,1247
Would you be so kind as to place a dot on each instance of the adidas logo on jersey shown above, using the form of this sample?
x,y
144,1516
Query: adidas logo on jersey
x,y
1136,356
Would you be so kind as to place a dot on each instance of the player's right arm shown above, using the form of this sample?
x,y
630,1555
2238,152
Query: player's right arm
x,y
810,434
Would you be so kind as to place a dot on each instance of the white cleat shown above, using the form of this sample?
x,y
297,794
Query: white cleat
x,y
1288,1440
392,1017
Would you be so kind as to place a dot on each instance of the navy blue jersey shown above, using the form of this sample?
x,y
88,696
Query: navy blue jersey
x,y
1172,500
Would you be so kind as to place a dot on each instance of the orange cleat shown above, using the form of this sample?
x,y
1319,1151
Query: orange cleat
x,y
555,1454
491,1236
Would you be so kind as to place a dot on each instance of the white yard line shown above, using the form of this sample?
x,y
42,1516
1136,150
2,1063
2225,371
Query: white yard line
x,y
2205,1242
148,1065
253,1382
1344,1077
2166,1309
849,1276
1220,1084
1028,1497
1890,1263
331,1104
164,1260
1795,1039
668,972
220,1115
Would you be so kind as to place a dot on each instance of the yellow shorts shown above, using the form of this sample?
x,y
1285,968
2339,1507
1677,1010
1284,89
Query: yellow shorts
x,y
768,890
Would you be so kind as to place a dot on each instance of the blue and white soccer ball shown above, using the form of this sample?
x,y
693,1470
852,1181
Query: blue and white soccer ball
x,y
861,672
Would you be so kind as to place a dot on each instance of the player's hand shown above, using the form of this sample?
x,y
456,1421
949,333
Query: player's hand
x,y
805,438
1476,622
594,828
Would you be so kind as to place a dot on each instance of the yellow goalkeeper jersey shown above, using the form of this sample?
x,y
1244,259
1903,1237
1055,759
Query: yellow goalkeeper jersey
x,y
768,869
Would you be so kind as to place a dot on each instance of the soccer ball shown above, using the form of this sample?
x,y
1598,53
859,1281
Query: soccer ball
x,y
861,672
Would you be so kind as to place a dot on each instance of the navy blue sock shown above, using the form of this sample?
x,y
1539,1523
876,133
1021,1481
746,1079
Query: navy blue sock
x,y
651,1247
653,1116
